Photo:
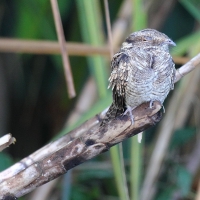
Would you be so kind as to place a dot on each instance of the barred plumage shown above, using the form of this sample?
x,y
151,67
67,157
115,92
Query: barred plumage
x,y
142,71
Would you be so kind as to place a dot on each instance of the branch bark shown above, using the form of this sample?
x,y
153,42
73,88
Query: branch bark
x,y
6,141
79,145
70,151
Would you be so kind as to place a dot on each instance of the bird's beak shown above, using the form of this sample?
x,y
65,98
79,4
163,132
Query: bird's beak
x,y
171,43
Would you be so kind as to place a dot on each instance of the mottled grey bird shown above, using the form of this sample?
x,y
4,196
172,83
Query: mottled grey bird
x,y
142,71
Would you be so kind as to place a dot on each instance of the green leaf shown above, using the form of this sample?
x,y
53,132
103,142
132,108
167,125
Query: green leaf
x,y
181,136
184,180
135,167
192,7
139,15
166,193
94,174
5,161
117,168
91,28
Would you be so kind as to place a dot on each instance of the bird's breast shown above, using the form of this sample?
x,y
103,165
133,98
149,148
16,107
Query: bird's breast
x,y
150,83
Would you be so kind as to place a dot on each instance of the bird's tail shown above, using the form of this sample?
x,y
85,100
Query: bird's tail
x,y
112,113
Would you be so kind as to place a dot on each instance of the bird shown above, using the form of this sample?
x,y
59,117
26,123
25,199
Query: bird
x,y
142,71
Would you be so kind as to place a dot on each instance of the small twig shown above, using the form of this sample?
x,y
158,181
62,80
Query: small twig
x,y
6,141
61,38
198,192
187,68
121,25
50,47
109,28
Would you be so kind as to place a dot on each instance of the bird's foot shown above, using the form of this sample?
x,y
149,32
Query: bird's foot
x,y
151,103
129,110
163,109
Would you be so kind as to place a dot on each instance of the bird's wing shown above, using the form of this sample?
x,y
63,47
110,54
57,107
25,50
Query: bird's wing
x,y
120,66
128,67
125,66
118,80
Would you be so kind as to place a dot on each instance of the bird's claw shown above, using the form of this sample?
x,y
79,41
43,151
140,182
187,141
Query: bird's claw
x,y
163,109
151,104
129,110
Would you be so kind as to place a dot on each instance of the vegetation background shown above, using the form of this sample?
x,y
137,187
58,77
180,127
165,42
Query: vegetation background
x,y
35,108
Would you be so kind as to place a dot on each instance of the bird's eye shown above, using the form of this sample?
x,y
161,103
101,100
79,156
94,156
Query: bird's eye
x,y
146,38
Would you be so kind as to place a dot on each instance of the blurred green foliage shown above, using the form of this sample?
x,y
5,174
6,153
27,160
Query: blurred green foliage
x,y
184,180
182,136
6,161
37,104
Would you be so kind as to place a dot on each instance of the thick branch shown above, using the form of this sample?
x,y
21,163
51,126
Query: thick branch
x,y
38,169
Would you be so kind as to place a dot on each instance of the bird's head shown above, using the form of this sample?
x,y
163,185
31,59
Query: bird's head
x,y
149,38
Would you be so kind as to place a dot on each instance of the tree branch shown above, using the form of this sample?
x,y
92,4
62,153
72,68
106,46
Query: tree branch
x,y
81,144
69,152
187,68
